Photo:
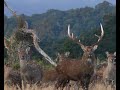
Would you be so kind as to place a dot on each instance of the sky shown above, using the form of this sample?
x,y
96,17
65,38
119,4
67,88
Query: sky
x,y
29,7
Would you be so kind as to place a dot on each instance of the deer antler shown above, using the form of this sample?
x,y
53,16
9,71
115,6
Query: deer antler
x,y
99,37
72,37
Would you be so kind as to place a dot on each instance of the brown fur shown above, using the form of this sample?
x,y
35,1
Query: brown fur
x,y
12,77
31,72
99,74
77,70
109,74
49,75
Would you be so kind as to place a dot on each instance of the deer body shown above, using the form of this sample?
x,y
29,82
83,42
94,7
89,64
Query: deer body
x,y
76,70
31,72
49,77
12,77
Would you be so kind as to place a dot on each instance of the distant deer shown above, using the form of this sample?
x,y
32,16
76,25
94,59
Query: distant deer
x,y
31,72
109,74
12,77
62,56
50,76
98,77
79,70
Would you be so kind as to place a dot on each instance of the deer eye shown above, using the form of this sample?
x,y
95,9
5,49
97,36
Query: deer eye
x,y
90,55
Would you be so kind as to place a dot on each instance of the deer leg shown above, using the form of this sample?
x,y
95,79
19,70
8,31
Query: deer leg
x,y
85,82
68,87
112,84
66,83
106,83
58,84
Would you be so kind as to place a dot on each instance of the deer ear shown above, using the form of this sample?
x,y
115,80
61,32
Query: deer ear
x,y
115,53
95,47
107,53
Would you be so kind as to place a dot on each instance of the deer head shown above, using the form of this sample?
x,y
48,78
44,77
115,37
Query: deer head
x,y
24,53
88,50
62,56
111,57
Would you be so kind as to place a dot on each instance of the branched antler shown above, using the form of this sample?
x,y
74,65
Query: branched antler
x,y
99,37
75,39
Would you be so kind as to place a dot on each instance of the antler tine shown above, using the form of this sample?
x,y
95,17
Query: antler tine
x,y
75,39
99,37
69,31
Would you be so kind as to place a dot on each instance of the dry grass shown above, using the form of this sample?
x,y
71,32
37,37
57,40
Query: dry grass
x,y
51,87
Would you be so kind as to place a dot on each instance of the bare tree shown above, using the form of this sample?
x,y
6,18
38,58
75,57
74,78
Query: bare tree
x,y
30,71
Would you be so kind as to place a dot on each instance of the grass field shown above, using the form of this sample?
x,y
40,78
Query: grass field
x,y
51,87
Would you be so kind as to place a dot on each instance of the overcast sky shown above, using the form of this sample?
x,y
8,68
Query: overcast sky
x,y
30,7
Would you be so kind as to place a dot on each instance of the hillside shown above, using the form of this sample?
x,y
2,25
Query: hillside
x,y
51,28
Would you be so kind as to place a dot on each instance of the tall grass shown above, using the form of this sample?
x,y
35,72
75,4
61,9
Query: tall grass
x,y
51,87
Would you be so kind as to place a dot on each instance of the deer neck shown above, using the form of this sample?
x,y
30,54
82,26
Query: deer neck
x,y
110,64
93,63
23,63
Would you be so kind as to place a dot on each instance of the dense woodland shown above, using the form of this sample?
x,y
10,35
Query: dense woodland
x,y
51,28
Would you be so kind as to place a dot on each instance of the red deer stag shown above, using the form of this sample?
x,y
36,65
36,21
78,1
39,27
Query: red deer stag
x,y
78,70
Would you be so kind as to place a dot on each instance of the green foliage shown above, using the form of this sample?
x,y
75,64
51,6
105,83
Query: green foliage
x,y
46,65
16,66
51,28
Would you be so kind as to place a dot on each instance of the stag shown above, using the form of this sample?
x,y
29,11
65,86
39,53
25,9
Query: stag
x,y
79,70
109,74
